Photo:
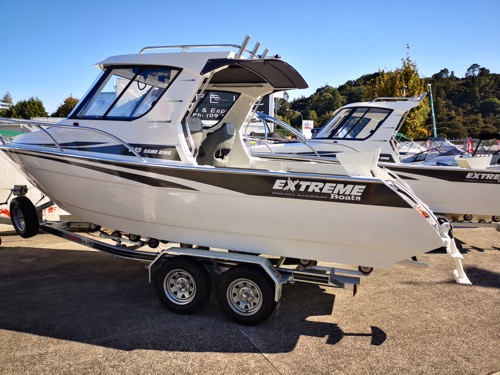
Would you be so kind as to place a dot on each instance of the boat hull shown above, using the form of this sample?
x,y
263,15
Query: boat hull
x,y
251,211
454,190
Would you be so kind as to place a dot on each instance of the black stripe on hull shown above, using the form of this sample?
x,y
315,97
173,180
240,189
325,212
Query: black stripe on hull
x,y
248,182
144,150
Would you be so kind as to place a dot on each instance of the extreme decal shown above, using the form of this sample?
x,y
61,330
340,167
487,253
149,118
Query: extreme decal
x,y
493,178
321,190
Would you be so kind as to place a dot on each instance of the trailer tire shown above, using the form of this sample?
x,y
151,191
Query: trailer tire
x,y
134,237
153,243
24,217
246,295
365,270
94,227
182,285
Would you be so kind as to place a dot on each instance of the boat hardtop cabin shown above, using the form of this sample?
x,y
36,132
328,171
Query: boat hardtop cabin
x,y
361,126
164,101
367,125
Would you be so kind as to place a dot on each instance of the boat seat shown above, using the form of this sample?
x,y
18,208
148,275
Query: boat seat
x,y
195,127
215,148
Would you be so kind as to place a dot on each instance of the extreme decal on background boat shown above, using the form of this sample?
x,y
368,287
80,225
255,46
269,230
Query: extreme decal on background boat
x,y
483,177
451,174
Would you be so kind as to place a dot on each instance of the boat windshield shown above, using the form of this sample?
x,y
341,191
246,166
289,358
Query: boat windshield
x,y
353,123
126,93
435,150
264,135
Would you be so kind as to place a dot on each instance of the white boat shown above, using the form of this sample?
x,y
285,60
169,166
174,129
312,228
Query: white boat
x,y
434,151
155,148
467,191
488,144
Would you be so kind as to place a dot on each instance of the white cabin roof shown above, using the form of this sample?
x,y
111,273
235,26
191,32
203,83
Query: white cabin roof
x,y
187,60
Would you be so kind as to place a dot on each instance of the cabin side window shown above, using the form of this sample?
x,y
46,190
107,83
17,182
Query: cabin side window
x,y
354,123
126,93
214,106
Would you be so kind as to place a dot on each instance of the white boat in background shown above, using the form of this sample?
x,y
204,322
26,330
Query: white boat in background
x,y
434,151
488,144
466,192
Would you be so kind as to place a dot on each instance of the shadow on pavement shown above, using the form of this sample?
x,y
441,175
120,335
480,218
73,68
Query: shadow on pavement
x,y
97,299
482,277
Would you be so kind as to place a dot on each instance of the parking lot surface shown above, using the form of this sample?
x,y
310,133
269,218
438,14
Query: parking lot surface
x,y
67,309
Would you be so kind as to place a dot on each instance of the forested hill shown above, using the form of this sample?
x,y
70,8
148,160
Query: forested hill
x,y
464,107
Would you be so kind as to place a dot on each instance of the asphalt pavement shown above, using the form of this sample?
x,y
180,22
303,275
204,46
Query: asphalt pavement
x,y
67,309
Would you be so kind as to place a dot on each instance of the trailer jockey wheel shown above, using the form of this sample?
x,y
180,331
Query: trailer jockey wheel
x,y
246,295
134,237
94,227
153,243
183,285
24,217
365,270
308,263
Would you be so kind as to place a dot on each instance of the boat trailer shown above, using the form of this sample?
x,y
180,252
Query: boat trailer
x,y
250,285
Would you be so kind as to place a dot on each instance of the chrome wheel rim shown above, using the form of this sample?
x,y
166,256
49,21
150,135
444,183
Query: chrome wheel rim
x,y
244,297
179,287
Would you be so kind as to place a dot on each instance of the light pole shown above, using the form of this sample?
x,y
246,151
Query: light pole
x,y
432,111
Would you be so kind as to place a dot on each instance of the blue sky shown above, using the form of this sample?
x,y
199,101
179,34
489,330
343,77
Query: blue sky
x,y
49,48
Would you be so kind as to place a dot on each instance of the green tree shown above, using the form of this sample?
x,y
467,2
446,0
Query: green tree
x,y
326,99
65,108
490,106
463,106
7,100
403,81
27,109
473,70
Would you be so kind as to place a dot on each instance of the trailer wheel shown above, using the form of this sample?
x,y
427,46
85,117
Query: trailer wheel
x,y
246,295
94,227
153,243
182,285
365,270
134,237
24,217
